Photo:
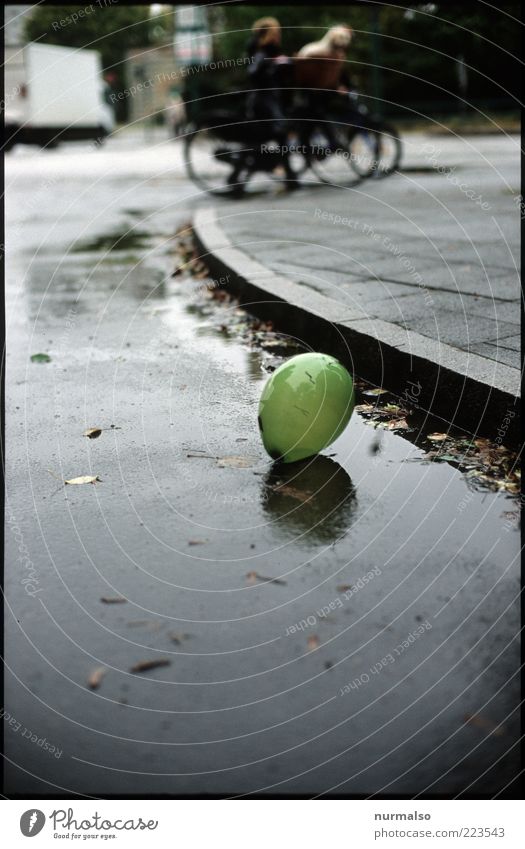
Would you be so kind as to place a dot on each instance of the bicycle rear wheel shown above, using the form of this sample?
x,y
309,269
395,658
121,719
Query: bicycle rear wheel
x,y
218,167
376,151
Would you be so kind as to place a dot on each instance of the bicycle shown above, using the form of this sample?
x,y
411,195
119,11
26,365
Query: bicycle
x,y
224,151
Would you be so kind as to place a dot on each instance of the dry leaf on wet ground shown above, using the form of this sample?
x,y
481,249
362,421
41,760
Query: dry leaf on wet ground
x,y
485,724
253,577
146,665
83,479
484,462
236,462
92,432
178,638
95,677
390,416
375,391
147,624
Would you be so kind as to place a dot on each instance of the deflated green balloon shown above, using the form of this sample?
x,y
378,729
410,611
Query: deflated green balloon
x,y
305,405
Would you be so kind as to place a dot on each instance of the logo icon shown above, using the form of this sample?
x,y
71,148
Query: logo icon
x,y
32,822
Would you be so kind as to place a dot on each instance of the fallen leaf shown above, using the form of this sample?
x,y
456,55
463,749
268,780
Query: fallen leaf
x,y
146,665
114,600
149,624
274,343
235,462
40,358
201,456
513,515
178,638
313,642
395,424
510,486
375,392
253,577
364,408
485,724
437,437
84,479
95,678
93,432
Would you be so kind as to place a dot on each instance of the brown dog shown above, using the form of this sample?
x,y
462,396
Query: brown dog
x,y
321,63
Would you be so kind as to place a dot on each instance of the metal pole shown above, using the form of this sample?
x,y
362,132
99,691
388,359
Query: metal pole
x,y
377,78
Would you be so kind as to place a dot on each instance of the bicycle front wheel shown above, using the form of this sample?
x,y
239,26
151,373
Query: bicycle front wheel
x,y
375,151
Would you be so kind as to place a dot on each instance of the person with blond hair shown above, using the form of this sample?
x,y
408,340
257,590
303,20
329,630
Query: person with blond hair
x,y
322,64
265,73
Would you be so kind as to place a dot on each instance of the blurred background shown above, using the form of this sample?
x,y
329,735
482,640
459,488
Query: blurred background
x,y
415,63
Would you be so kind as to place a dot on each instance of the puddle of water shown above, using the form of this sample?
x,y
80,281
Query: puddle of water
x,y
314,497
129,240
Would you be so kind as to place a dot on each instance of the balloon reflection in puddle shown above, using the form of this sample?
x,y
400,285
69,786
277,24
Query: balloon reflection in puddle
x,y
312,499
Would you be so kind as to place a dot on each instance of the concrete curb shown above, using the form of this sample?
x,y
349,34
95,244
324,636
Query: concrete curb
x,y
465,389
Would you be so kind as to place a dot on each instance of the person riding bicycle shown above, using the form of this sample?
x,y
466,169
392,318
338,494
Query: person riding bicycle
x,y
322,64
321,68
266,75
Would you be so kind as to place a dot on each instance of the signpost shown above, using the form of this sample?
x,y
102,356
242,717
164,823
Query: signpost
x,y
192,46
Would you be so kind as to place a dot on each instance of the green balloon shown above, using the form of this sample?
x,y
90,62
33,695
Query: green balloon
x,y
305,405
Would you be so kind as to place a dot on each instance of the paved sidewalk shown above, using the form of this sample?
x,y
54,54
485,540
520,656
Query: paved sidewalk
x,y
433,250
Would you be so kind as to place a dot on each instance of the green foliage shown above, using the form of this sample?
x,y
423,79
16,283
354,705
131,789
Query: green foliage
x,y
421,49
112,30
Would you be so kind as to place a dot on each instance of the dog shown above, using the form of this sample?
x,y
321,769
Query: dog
x,y
321,63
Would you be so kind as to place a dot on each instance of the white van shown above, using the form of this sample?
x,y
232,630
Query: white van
x,y
54,93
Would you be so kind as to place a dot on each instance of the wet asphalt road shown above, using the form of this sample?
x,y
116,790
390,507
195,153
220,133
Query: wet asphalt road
x,y
395,615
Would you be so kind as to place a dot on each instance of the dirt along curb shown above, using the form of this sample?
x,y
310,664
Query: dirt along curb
x,y
464,389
